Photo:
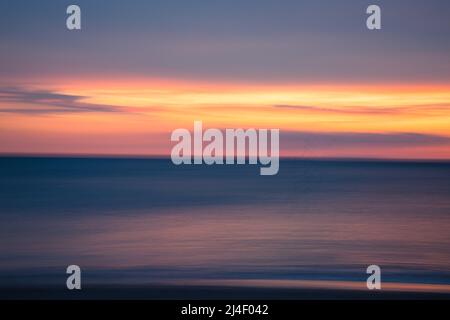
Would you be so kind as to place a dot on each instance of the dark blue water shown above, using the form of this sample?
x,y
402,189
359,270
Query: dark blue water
x,y
129,221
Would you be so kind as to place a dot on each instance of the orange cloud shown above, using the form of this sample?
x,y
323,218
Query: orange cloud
x,y
146,109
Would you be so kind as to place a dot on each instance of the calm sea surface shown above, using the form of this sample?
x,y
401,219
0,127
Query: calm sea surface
x,y
129,221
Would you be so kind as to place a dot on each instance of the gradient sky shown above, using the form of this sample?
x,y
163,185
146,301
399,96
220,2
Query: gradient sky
x,y
139,69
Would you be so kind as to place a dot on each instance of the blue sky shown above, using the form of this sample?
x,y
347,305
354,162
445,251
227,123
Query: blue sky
x,y
245,40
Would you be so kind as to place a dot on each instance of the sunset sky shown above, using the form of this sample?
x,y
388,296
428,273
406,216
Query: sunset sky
x,y
140,69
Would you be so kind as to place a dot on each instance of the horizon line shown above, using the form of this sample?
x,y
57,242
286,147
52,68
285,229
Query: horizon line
x,y
164,157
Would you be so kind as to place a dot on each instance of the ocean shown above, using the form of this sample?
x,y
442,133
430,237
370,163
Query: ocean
x,y
147,223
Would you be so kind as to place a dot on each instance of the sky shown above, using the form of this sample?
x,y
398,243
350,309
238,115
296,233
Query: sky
x,y
140,69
